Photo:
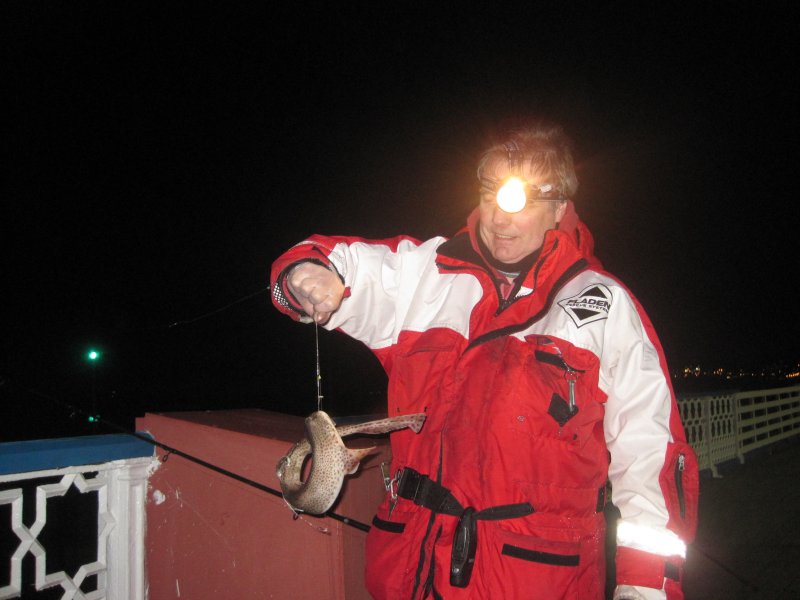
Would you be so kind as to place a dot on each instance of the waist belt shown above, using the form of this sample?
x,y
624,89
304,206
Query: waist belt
x,y
423,491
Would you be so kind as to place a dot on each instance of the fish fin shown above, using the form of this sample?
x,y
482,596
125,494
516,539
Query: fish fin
x,y
417,422
354,457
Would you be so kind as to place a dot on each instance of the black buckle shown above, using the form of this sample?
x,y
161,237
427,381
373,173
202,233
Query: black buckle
x,y
408,484
423,491
465,541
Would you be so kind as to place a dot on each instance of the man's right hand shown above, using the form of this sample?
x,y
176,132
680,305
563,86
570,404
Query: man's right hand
x,y
318,290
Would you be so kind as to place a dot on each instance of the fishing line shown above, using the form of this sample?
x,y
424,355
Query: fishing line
x,y
219,310
74,410
319,372
748,584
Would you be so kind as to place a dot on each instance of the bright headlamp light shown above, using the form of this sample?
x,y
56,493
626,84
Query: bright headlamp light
x,y
515,194
511,196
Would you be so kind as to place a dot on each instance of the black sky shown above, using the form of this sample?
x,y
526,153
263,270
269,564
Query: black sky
x,y
159,157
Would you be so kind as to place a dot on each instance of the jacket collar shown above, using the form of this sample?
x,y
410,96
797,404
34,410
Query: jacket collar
x,y
572,236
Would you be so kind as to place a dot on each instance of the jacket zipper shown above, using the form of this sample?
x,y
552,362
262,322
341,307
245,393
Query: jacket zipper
x,y
679,468
571,272
570,374
503,304
506,302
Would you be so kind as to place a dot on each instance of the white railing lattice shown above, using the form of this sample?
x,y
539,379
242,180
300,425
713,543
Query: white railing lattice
x,y
726,426
119,567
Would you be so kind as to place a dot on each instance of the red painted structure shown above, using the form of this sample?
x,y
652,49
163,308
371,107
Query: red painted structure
x,y
212,537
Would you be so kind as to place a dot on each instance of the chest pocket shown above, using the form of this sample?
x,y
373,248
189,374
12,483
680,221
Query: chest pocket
x,y
559,387
421,374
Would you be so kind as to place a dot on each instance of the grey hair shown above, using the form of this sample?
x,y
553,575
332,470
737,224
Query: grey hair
x,y
545,152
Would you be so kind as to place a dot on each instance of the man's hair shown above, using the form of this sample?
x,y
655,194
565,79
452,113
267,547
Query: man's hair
x,y
545,154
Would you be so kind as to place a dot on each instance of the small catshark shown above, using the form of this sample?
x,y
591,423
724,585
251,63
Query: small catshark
x,y
331,459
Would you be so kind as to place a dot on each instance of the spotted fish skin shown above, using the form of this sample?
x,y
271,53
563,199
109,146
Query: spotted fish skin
x,y
332,460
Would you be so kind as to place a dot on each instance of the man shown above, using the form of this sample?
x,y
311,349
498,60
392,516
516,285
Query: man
x,y
534,366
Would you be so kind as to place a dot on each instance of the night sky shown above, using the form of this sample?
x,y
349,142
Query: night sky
x,y
159,157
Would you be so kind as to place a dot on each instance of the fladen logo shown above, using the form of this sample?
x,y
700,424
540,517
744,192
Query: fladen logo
x,y
591,305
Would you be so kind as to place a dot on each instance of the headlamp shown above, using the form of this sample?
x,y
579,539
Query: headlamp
x,y
511,196
515,194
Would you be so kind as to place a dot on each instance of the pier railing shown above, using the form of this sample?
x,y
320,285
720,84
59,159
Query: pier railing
x,y
72,516
73,510
727,426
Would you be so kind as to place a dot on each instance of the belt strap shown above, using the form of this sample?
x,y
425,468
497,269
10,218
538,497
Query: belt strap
x,y
423,491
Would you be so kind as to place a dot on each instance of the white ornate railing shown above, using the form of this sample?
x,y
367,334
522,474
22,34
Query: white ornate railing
x,y
114,469
722,427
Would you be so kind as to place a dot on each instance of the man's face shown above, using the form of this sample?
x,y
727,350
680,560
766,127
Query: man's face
x,y
510,237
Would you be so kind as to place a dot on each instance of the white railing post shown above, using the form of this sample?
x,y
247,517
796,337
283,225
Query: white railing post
x,y
709,434
737,415
127,492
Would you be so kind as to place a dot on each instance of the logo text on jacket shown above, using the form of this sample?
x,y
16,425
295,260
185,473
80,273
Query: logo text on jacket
x,y
591,305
